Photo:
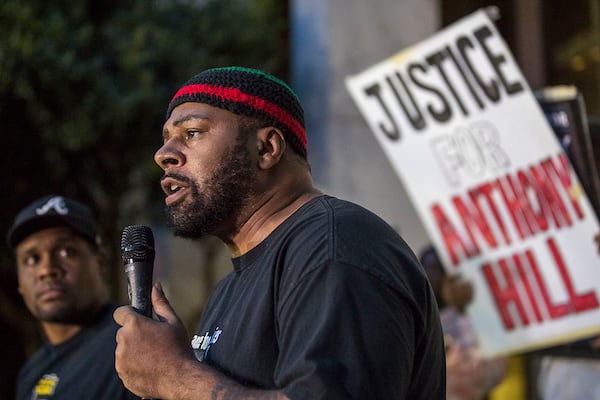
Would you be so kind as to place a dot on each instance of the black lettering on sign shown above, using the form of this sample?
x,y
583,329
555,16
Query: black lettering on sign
x,y
490,90
436,60
394,134
414,115
461,77
445,113
484,33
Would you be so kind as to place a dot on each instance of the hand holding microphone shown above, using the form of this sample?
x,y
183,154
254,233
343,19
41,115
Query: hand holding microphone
x,y
137,253
140,344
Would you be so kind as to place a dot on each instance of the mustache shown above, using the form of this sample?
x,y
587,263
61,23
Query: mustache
x,y
178,177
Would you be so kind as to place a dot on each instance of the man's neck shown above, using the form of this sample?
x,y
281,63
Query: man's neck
x,y
272,211
57,333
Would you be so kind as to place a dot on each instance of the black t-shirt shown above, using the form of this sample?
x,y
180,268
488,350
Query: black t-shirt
x,y
332,305
82,367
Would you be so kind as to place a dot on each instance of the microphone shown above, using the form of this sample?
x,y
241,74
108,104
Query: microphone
x,y
137,253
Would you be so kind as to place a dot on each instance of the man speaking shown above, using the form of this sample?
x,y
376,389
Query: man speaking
x,y
325,300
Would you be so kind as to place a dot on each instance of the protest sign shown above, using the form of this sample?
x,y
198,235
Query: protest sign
x,y
495,191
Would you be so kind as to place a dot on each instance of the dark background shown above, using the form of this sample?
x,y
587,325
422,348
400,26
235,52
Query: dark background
x,y
84,87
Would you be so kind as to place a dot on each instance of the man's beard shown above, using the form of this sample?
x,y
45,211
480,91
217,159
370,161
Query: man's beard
x,y
222,196
66,314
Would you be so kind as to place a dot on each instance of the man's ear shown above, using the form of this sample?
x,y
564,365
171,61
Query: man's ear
x,y
271,146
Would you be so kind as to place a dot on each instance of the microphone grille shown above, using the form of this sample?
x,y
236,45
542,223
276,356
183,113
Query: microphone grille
x,y
137,244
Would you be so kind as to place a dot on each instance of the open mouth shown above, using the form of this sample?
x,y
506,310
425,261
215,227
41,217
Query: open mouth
x,y
174,189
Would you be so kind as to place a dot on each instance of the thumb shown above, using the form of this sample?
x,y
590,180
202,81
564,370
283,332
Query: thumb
x,y
161,305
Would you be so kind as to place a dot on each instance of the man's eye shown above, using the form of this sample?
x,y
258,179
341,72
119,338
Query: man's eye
x,y
30,260
191,134
67,252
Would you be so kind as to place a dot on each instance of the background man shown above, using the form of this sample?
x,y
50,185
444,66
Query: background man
x,y
60,268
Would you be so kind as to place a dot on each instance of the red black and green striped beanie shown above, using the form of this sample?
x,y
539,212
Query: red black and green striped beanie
x,y
248,92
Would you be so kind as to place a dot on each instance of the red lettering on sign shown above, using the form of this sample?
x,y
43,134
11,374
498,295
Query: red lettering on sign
x,y
517,204
450,236
531,201
549,198
579,302
505,295
563,172
521,275
554,310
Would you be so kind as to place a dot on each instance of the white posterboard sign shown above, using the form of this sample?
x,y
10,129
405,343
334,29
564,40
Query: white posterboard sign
x,y
490,182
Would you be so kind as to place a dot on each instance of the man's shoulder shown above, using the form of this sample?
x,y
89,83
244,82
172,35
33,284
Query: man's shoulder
x,y
330,210
336,231
68,362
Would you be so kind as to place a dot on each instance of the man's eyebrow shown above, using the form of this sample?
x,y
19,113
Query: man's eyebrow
x,y
27,251
189,117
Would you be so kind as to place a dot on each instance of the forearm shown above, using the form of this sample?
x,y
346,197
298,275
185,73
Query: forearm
x,y
196,381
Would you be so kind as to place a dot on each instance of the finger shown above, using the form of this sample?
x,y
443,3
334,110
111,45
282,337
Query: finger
x,y
122,314
161,305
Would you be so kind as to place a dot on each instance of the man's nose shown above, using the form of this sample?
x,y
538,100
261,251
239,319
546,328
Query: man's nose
x,y
50,268
169,155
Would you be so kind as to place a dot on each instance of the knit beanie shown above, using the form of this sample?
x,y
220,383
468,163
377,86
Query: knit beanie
x,y
251,93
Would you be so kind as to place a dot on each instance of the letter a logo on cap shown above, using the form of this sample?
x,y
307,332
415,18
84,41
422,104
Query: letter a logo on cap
x,y
57,203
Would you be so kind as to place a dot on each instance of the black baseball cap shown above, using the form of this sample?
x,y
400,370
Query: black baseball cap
x,y
51,211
